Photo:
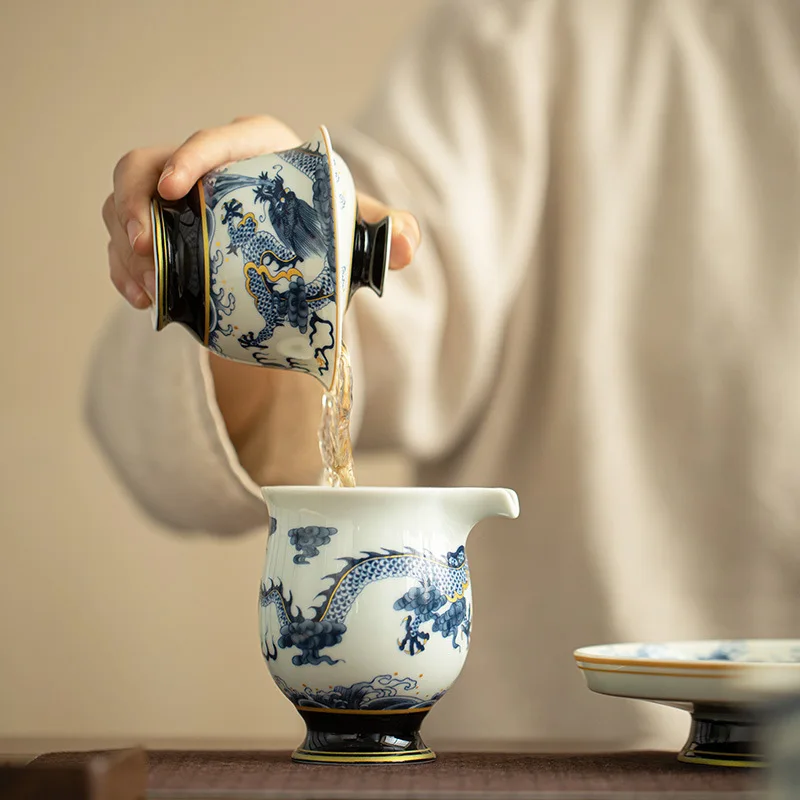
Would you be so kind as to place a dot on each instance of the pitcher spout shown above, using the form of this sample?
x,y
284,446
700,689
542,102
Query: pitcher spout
x,y
492,502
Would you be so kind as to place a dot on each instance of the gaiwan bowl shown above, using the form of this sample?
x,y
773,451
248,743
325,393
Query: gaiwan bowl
x,y
710,679
259,261
365,611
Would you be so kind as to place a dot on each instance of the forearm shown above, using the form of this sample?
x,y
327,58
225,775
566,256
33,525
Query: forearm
x,y
153,405
271,417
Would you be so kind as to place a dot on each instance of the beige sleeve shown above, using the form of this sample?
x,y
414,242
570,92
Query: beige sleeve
x,y
450,131
151,407
456,133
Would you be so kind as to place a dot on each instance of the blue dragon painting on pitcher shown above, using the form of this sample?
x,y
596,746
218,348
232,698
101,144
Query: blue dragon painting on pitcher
x,y
270,253
437,601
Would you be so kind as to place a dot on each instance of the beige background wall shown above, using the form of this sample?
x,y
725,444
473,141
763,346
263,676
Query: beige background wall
x,y
108,625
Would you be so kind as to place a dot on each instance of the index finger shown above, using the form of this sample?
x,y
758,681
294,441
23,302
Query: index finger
x,y
135,180
208,149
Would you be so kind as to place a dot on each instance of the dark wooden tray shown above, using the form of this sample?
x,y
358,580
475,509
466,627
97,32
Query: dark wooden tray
x,y
268,775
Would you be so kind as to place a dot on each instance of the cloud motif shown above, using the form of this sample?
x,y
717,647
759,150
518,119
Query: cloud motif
x,y
308,540
424,602
310,636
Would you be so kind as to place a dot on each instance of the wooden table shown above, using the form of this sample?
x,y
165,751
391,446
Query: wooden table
x,y
176,773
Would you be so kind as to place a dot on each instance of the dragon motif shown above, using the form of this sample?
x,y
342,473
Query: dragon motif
x,y
272,277
439,598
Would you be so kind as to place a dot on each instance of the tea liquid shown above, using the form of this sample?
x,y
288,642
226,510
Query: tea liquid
x,y
335,445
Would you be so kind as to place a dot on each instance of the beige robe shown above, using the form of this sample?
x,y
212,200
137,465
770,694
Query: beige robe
x,y
604,316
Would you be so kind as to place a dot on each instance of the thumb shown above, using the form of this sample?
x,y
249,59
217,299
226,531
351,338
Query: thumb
x,y
406,234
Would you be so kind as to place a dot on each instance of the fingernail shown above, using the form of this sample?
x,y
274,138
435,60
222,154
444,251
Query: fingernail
x,y
135,230
406,225
149,281
398,224
412,231
134,294
413,243
168,170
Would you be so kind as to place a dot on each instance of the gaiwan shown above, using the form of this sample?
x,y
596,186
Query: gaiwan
x,y
365,611
260,260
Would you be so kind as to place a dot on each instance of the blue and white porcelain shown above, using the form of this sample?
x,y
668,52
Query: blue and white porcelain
x,y
365,610
705,678
259,261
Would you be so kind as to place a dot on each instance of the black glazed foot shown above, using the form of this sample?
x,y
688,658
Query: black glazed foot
x,y
723,739
353,737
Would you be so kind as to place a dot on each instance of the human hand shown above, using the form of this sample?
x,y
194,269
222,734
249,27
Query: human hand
x,y
173,171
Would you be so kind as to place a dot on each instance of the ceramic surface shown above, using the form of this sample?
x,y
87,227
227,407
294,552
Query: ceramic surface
x,y
366,610
260,260
701,677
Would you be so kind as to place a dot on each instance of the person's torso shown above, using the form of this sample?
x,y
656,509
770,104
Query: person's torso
x,y
648,403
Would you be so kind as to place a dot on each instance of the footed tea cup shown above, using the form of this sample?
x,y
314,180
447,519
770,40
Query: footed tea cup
x,y
366,610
